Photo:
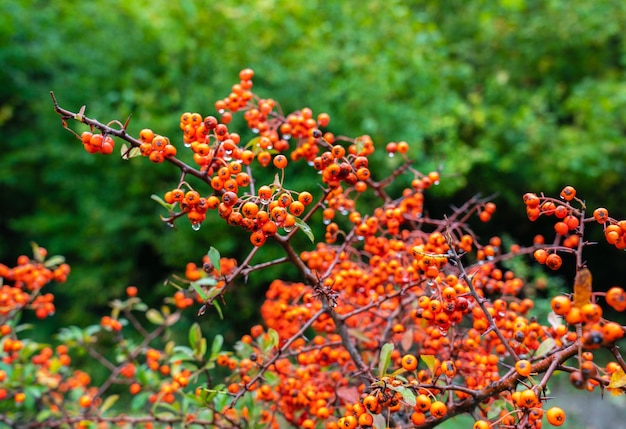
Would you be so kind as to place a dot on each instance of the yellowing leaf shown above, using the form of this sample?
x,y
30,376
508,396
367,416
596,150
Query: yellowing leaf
x,y
582,288
429,360
618,379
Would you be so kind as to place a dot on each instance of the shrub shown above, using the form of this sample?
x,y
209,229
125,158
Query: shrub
x,y
399,318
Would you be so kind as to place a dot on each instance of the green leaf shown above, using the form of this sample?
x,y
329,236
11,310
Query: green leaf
x,y
429,360
274,337
54,261
160,200
253,144
407,395
385,358
380,422
108,403
359,335
214,257
36,252
206,281
545,347
216,345
195,334
154,317
218,307
305,228
128,154
200,291
43,415
139,400
496,408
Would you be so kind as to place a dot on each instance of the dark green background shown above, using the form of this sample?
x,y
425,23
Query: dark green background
x,y
507,96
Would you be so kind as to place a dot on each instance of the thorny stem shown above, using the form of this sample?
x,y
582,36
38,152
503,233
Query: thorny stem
x,y
481,302
122,134
276,355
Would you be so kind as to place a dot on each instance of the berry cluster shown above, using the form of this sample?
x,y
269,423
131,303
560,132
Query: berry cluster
x,y
400,319
97,143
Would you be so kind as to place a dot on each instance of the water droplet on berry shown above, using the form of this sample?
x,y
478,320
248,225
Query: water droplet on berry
x,y
391,154
288,228
187,144
195,226
326,221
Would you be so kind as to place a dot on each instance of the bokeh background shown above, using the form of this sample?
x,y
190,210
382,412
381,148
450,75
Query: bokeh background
x,y
505,96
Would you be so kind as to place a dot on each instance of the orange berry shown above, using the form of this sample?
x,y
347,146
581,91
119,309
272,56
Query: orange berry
x,y
568,193
85,401
438,409
555,416
280,161
528,398
523,367
481,424
540,255
418,418
554,261
409,362
561,305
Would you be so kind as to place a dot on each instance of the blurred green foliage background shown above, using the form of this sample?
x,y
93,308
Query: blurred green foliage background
x,y
507,96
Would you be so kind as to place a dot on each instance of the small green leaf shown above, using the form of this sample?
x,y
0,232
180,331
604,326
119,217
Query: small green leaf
x,y
407,395
54,261
305,228
108,403
37,252
214,257
360,144
385,358
216,345
218,307
275,339
154,317
159,200
253,144
200,291
380,422
496,408
429,360
545,347
139,400
359,335
195,333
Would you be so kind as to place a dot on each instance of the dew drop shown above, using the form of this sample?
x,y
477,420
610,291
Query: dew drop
x,y
391,154
187,144
288,229
170,224
326,221
195,226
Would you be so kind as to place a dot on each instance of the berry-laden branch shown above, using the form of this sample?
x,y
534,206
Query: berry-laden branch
x,y
400,318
